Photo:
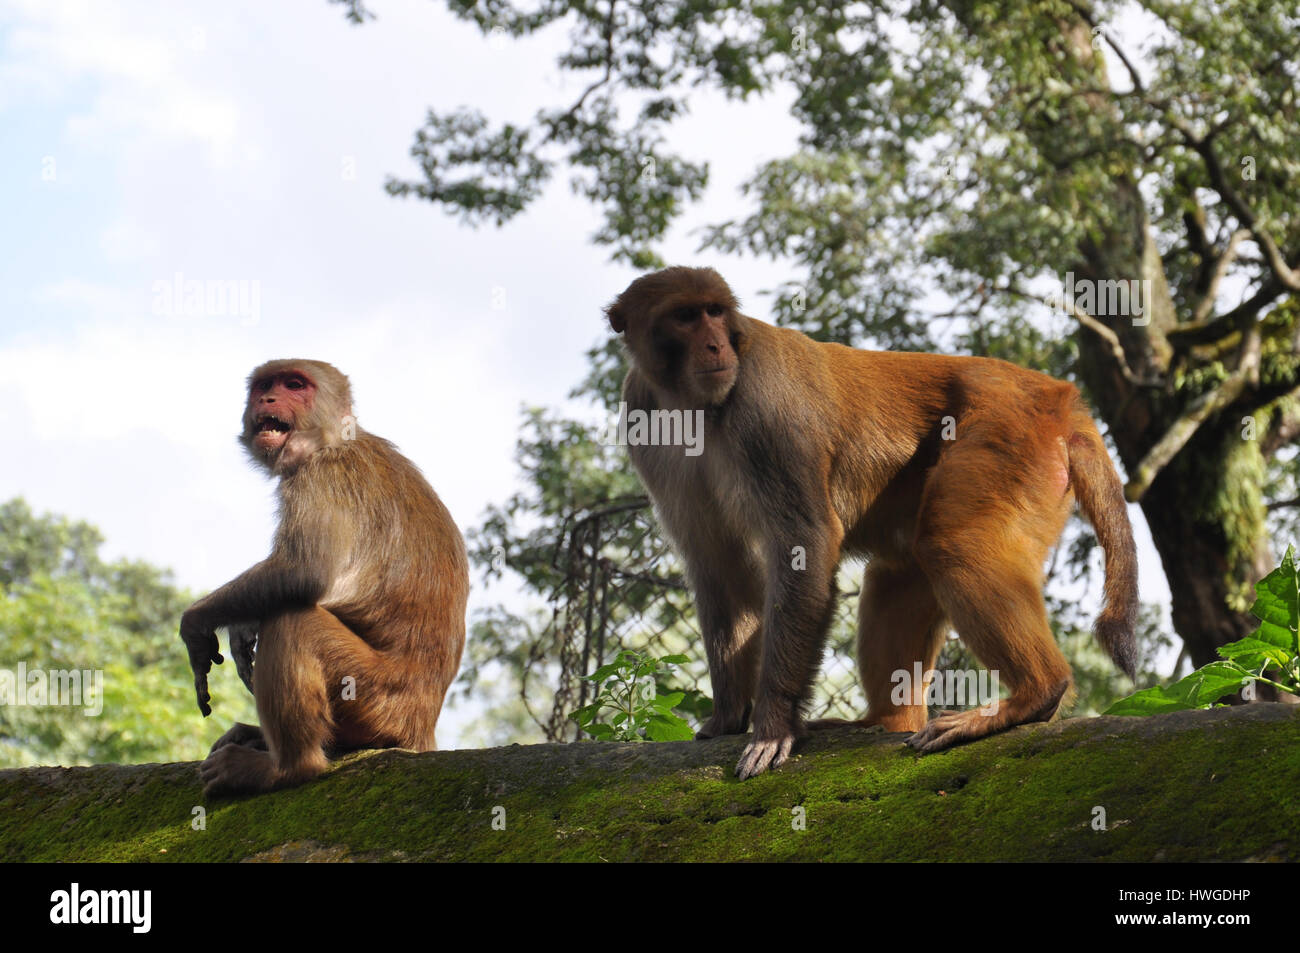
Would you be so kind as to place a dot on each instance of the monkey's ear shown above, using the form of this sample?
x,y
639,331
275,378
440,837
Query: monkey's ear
x,y
616,319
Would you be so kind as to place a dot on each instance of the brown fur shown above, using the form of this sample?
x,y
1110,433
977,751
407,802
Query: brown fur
x,y
367,580
839,450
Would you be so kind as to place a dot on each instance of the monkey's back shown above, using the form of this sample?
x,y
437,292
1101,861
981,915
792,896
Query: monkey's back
x,y
898,412
404,582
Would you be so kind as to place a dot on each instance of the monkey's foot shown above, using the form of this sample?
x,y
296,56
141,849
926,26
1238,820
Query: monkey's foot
x,y
236,769
949,728
817,724
250,736
953,727
720,724
820,723
763,753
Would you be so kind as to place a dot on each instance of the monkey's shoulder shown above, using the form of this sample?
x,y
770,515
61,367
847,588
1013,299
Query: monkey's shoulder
x,y
362,471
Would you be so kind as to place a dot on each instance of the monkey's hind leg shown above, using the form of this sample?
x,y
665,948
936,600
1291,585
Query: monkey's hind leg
x,y
996,605
250,736
296,652
1010,635
985,558
899,624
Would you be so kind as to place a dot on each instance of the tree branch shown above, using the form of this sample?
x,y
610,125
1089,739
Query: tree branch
x,y
1085,14
1203,146
1199,411
1238,319
572,111
1272,254
1221,265
1285,428
1102,331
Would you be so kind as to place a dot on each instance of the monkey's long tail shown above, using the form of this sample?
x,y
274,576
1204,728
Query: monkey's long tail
x,y
1101,497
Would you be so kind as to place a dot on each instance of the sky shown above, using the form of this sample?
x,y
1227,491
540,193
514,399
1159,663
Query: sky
x,y
145,144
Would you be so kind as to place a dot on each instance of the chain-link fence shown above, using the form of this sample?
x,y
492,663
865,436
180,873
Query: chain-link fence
x,y
622,588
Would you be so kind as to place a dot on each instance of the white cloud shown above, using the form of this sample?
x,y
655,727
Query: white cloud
x,y
108,301
136,57
127,240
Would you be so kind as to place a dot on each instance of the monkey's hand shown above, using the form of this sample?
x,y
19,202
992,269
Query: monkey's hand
x,y
763,753
243,643
201,641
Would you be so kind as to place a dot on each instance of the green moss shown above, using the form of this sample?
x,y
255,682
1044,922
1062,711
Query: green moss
x,y
1217,785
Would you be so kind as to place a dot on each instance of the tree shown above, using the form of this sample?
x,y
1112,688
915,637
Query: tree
x,y
1000,152
64,610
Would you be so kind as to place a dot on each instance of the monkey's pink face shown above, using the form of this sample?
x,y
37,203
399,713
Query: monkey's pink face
x,y
277,405
700,340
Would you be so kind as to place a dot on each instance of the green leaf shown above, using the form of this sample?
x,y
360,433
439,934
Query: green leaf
x,y
1200,689
623,686
1255,654
668,702
604,672
661,727
1278,606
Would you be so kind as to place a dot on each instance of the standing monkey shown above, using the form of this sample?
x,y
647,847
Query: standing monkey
x,y
955,475
359,611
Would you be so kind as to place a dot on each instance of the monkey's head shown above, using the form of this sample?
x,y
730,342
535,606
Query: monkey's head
x,y
684,331
295,408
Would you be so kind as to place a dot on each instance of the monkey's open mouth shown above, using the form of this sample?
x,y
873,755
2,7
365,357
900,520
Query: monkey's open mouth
x,y
270,432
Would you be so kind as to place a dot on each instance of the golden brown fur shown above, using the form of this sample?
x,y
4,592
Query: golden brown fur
x,y
837,450
360,608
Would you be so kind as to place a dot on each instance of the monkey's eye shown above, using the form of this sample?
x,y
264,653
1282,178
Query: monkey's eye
x,y
294,383
684,315
713,310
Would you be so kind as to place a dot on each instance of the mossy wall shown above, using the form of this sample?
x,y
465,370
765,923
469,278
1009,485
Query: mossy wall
x,y
1211,785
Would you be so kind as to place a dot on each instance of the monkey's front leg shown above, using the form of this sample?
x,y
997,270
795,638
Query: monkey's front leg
x,y
243,649
200,638
799,607
729,605
255,594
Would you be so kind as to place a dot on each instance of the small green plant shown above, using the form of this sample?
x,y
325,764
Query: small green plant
x,y
1273,648
629,688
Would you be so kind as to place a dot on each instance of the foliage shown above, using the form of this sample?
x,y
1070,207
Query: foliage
x,y
639,710
63,609
567,469
1274,649
952,144
956,159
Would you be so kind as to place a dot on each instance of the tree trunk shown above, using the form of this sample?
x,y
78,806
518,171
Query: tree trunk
x,y
1210,573
1206,509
